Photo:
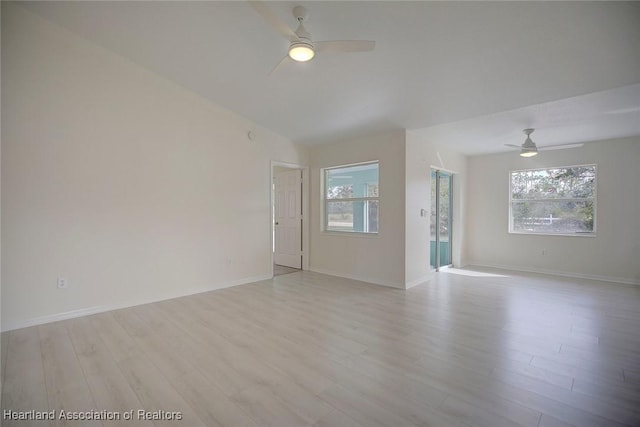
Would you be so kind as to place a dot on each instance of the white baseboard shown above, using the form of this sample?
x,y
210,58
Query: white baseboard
x,y
622,280
419,281
373,281
9,326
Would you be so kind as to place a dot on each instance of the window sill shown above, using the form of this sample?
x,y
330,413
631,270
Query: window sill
x,y
351,234
554,234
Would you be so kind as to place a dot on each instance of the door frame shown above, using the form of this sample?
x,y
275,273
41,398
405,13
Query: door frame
x,y
437,267
305,210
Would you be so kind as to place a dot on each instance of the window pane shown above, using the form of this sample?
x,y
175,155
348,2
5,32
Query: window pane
x,y
552,216
555,201
359,182
568,182
372,213
353,216
352,182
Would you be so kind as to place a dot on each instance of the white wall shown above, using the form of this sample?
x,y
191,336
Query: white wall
x,y
612,255
130,186
373,258
421,155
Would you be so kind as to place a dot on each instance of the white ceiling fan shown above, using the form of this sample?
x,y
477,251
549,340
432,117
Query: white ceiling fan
x,y
302,48
530,149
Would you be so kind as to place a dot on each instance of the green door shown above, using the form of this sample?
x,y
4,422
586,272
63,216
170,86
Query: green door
x,y
440,245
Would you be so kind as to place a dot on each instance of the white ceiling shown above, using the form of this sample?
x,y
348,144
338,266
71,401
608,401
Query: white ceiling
x,y
468,74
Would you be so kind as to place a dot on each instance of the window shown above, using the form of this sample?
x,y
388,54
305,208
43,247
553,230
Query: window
x,y
553,201
351,198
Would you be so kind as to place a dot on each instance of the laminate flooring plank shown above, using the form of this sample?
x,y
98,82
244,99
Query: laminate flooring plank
x,y
159,399
211,405
23,388
594,372
494,409
456,342
605,325
517,404
285,336
267,409
549,421
363,410
343,308
613,411
627,397
305,336
419,405
4,341
117,340
67,388
501,346
540,374
295,362
549,405
216,362
362,376
307,405
599,359
109,388
243,364
316,314
632,376
337,418
477,416
302,402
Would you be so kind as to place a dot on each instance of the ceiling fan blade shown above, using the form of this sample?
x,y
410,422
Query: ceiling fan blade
x,y
283,62
513,146
624,110
559,147
335,46
273,20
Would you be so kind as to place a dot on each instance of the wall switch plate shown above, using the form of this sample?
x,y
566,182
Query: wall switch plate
x,y
62,283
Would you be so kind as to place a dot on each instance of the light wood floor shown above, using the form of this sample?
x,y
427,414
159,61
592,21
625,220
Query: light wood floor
x,y
308,349
279,270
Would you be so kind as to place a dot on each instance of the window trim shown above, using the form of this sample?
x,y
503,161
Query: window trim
x,y
324,201
594,199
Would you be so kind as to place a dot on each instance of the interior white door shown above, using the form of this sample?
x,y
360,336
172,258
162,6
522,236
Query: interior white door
x,y
288,218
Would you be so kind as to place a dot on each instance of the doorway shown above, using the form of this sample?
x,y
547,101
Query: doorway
x,y
288,225
441,210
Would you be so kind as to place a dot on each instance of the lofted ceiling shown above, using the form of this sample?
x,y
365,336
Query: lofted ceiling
x,y
468,74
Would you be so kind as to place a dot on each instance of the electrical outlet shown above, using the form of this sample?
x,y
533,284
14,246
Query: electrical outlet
x,y
544,252
62,283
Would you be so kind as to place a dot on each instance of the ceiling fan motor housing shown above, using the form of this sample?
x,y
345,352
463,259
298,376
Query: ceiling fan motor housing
x,y
528,143
300,13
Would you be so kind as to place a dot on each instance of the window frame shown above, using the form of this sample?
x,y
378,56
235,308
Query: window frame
x,y
325,201
593,199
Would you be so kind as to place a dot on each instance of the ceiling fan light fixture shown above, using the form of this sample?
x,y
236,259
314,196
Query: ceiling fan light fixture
x,y
528,152
301,51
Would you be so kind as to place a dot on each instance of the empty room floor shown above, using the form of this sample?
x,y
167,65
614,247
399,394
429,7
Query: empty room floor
x,y
490,348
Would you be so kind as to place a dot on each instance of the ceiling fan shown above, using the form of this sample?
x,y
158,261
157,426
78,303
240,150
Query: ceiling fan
x,y
530,149
302,48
